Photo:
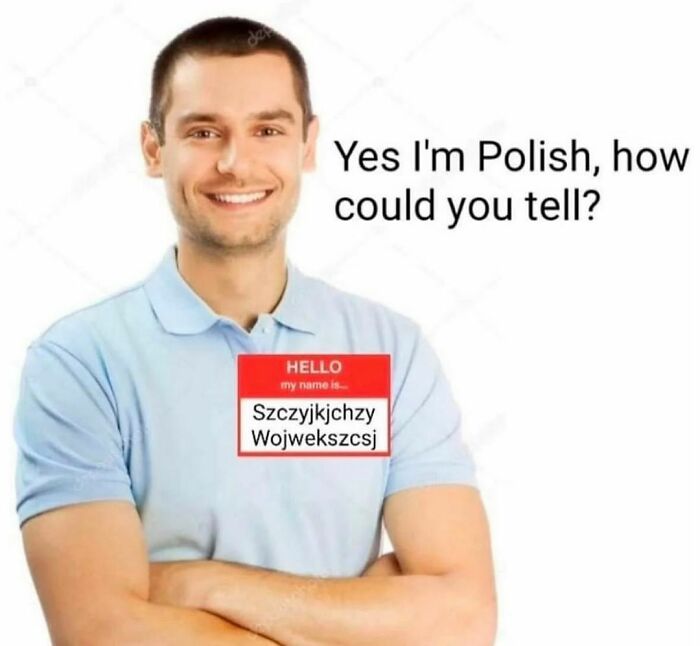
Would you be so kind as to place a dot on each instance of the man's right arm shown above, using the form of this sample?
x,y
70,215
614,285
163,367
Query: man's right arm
x,y
90,566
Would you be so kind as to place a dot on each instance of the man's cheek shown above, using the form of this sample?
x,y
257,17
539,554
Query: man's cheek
x,y
284,158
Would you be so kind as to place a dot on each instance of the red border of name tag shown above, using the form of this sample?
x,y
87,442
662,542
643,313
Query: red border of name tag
x,y
362,376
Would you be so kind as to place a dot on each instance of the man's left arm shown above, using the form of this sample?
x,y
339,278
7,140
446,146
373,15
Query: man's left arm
x,y
445,594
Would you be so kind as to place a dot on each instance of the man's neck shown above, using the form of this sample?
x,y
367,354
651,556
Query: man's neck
x,y
239,287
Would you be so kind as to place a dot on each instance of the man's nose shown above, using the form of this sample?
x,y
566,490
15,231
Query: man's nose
x,y
234,158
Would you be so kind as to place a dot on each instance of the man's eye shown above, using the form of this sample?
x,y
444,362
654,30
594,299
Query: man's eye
x,y
198,132
269,129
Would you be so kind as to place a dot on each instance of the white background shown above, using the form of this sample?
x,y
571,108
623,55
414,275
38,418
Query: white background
x,y
572,347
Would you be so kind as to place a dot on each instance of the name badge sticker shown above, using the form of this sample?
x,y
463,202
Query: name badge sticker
x,y
314,405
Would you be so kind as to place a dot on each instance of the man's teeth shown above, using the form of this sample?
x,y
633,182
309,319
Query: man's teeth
x,y
241,198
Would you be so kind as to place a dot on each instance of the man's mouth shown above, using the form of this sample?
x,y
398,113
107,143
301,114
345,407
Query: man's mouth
x,y
238,201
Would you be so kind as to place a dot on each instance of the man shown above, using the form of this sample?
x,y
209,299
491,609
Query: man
x,y
142,522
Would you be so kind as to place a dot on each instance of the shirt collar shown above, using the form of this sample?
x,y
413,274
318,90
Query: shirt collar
x,y
181,310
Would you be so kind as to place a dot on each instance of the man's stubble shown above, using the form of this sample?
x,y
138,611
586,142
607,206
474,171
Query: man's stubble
x,y
198,228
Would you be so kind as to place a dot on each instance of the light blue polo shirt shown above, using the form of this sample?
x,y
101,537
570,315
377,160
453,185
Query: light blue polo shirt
x,y
134,398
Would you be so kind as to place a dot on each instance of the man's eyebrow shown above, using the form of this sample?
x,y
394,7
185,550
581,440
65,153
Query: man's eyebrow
x,y
272,115
191,117
211,117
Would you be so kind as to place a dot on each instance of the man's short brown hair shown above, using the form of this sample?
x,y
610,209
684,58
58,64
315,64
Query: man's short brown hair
x,y
227,36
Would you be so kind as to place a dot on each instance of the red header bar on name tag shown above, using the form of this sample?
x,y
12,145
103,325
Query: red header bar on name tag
x,y
326,375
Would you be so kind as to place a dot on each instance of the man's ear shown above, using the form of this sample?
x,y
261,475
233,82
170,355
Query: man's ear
x,y
309,161
151,150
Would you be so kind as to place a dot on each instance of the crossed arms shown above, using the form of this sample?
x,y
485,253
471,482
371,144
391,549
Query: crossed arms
x,y
90,567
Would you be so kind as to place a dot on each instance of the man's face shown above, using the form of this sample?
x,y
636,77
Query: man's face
x,y
233,153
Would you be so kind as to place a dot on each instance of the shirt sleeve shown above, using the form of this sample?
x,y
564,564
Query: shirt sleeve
x,y
69,447
427,446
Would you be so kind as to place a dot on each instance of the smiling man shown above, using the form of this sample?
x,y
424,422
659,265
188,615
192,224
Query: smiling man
x,y
142,522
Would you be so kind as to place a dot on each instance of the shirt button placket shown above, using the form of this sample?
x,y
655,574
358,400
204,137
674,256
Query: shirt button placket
x,y
263,335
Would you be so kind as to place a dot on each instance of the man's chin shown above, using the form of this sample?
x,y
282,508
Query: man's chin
x,y
238,245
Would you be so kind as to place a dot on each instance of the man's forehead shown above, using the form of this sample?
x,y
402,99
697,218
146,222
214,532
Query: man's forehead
x,y
264,70
220,84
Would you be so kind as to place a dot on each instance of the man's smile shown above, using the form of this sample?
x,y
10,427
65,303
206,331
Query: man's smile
x,y
238,201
